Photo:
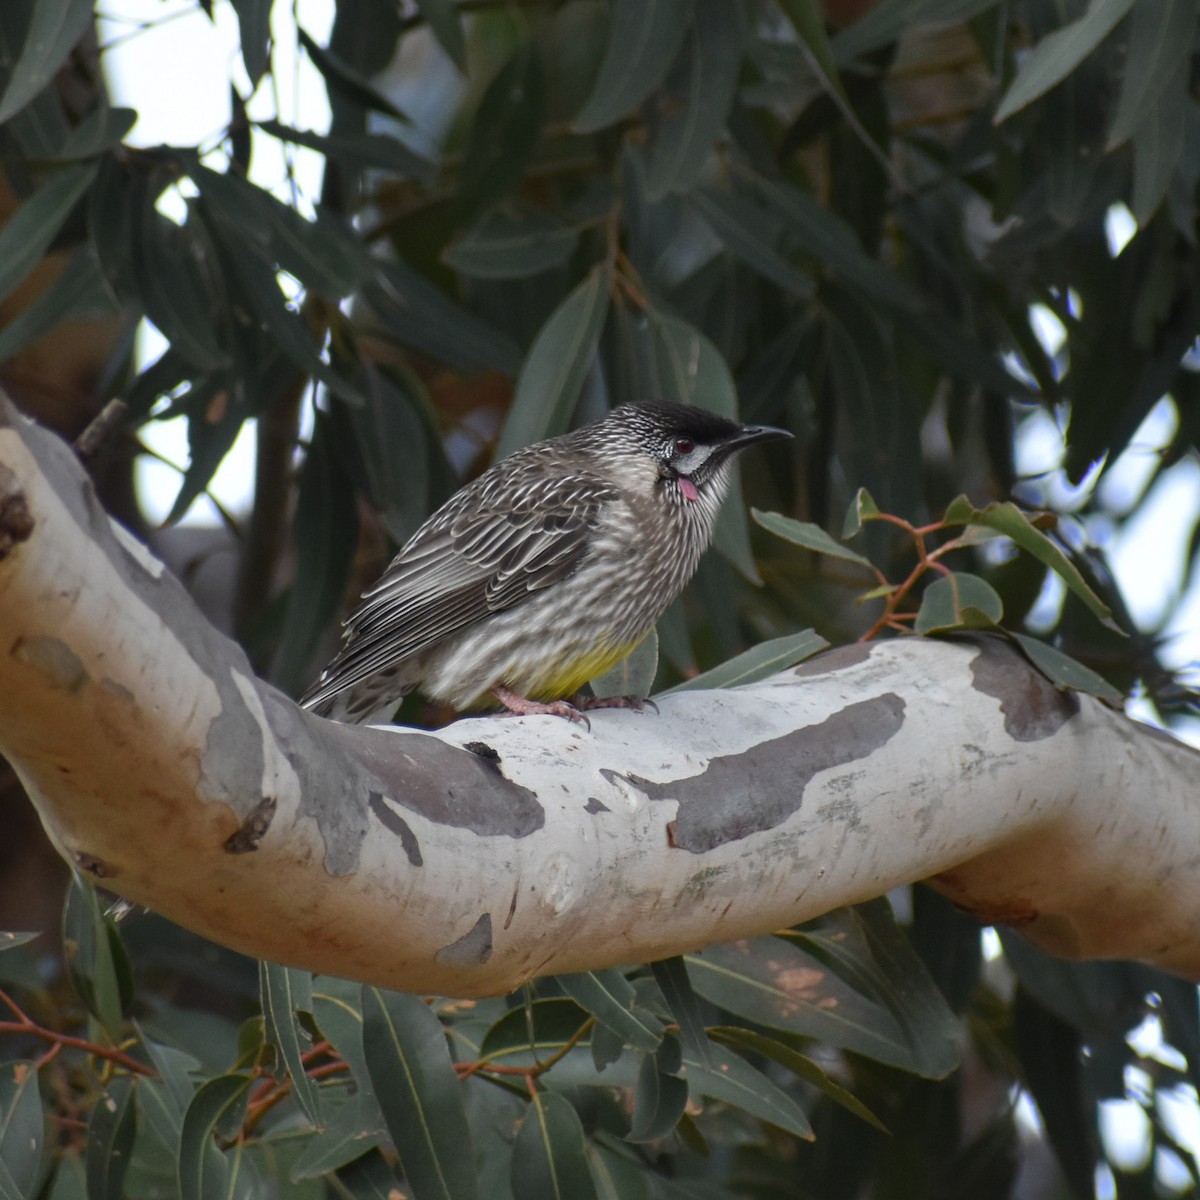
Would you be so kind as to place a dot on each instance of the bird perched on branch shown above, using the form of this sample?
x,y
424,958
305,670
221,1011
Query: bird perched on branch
x,y
542,573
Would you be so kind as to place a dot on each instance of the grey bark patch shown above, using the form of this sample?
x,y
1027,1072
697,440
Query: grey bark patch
x,y
393,822
729,800
443,783
595,806
1033,707
840,658
54,658
246,839
473,949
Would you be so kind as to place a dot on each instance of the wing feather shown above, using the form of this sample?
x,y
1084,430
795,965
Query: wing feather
x,y
475,557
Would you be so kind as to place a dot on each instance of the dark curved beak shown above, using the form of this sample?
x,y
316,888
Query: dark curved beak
x,y
757,433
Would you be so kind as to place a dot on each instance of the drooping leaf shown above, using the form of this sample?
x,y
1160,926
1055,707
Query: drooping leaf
x,y
350,1129
217,1111
326,527
644,38
548,1156
345,81
379,151
522,1037
40,35
1066,672
503,246
98,133
162,1102
1059,53
96,959
1008,519
254,24
285,992
27,234
734,1081
671,975
757,663
661,1094
21,1126
685,136
419,1094
754,1042
506,128
10,940
110,1135
549,384
959,601
808,535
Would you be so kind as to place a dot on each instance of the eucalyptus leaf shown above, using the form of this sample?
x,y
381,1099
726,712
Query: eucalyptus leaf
x,y
759,662
958,601
808,535
51,30
548,1160
1067,672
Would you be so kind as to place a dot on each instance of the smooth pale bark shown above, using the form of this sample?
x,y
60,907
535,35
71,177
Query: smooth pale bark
x,y
466,861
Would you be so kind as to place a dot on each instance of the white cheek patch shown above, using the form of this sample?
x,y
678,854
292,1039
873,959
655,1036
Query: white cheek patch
x,y
688,488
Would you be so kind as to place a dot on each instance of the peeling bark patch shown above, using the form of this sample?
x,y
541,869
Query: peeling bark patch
x,y
728,800
489,754
253,829
473,949
595,806
1033,707
16,521
93,865
55,659
393,822
443,783
841,658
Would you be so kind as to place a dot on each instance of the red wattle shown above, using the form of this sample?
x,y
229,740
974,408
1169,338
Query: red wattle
x,y
688,488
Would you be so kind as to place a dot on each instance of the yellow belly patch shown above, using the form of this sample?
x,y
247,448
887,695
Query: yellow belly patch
x,y
554,681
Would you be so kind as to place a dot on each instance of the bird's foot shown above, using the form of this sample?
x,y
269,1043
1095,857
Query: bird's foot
x,y
522,706
637,703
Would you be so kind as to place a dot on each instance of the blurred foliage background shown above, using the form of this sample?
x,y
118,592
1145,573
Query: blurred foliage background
x,y
951,244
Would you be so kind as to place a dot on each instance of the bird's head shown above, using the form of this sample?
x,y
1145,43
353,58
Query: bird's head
x,y
690,447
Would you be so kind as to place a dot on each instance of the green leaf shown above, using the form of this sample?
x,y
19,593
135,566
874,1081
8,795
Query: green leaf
x,y
213,427
524,1037
548,1156
217,1111
370,1178
634,674
689,368
732,1080
1066,672
254,27
776,984
1059,53
684,137
419,1094
21,1127
354,1127
181,296
10,940
96,961
758,662
866,946
285,992
110,1135
443,19
958,601
326,532
886,21
1159,144
759,1043
808,535
740,226
643,39
671,975
661,1095
862,509
504,246
505,131
549,384
324,254
27,234
98,133
162,1102
1161,33
419,314
808,20
363,150
1008,519
52,29
345,81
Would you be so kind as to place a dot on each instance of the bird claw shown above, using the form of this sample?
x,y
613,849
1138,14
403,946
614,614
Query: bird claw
x,y
522,706
637,703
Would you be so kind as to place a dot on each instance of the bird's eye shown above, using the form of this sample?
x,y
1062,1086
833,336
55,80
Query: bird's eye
x,y
684,446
